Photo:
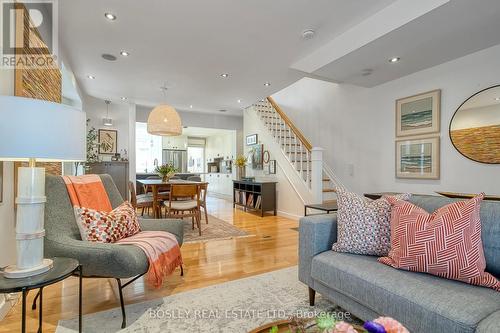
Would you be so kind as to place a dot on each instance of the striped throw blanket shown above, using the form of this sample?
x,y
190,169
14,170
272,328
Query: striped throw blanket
x,y
161,247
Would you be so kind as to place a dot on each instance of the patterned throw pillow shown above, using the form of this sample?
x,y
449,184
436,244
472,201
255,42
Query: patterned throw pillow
x,y
446,243
107,227
363,225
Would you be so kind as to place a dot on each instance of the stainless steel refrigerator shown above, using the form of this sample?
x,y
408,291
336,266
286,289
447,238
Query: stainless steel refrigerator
x,y
178,158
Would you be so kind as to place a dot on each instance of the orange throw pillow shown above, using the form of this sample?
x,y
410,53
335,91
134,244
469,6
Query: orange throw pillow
x,y
104,227
446,243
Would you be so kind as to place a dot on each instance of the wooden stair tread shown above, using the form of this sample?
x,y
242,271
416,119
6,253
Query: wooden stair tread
x,y
328,190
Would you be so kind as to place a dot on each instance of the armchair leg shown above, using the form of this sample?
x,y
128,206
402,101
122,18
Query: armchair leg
x,y
124,316
312,296
33,306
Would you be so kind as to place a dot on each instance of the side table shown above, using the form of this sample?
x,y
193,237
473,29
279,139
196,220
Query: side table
x,y
63,268
325,207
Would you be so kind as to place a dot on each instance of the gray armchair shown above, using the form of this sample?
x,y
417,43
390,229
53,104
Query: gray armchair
x,y
62,238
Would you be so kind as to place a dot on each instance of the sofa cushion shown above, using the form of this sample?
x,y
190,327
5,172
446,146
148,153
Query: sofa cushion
x,y
421,302
363,224
490,226
446,243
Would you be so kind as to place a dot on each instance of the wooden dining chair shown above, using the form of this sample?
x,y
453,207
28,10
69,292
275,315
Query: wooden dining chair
x,y
203,199
184,202
140,201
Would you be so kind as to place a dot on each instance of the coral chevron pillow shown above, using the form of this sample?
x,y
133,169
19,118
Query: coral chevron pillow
x,y
446,243
107,227
363,225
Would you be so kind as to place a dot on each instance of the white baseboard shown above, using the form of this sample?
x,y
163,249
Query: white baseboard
x,y
288,215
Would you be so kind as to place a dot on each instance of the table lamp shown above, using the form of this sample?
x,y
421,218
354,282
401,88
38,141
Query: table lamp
x,y
35,130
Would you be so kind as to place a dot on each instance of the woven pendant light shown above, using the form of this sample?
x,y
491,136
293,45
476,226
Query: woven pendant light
x,y
164,120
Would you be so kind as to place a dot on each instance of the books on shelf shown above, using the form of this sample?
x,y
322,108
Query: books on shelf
x,y
258,202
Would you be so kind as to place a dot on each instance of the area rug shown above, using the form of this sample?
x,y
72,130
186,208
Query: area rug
x,y
216,229
233,307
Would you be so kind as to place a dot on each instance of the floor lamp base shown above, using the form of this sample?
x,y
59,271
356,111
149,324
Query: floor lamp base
x,y
12,272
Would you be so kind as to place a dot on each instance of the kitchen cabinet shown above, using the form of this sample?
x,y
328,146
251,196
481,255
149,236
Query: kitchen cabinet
x,y
117,170
175,142
220,184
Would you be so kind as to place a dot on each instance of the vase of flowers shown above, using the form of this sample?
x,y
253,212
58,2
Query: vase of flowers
x,y
240,163
165,171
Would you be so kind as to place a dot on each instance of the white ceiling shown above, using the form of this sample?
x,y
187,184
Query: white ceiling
x,y
189,43
451,31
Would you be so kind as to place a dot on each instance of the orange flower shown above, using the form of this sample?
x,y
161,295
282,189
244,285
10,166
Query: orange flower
x,y
343,327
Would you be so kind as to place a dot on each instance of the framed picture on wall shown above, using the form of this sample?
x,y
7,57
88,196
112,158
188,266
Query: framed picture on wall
x,y
108,140
417,158
252,139
419,114
1,182
272,167
257,155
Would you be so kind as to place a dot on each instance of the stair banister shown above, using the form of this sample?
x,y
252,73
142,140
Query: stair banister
x,y
290,124
317,174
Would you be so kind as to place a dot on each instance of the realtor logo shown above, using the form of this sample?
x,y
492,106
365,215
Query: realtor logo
x,y
28,34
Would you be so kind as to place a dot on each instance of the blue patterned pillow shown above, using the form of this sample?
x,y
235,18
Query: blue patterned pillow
x,y
363,225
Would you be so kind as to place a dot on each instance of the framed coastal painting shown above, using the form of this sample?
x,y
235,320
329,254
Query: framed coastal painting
x,y
108,140
417,158
419,114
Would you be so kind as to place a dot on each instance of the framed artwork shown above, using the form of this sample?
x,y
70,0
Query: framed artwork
x,y
417,158
1,182
257,156
108,140
419,114
252,139
267,156
272,167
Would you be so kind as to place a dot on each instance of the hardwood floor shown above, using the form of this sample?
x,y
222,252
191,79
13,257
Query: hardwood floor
x,y
272,246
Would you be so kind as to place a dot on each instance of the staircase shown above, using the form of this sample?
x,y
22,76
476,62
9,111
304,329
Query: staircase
x,y
297,149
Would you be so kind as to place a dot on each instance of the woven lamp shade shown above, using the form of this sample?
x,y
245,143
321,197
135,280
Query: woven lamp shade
x,y
165,121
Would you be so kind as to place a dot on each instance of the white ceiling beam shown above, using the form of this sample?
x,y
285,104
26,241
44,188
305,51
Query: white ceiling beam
x,y
386,20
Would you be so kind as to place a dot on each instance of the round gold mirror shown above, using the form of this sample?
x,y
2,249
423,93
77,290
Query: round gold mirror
x,y
475,127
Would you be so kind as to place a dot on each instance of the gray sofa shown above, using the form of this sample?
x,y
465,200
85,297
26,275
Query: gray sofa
x,y
422,302
62,238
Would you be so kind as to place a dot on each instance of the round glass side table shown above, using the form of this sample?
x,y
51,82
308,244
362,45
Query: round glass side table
x,y
62,269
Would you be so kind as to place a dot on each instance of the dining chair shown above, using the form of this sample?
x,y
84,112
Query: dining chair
x,y
140,201
177,206
203,199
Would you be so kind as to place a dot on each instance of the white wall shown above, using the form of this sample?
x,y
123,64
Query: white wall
x,y
119,112
356,125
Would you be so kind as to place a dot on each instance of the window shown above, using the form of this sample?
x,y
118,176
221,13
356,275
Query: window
x,y
195,159
148,149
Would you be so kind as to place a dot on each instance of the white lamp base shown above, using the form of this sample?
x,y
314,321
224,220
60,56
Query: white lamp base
x,y
12,272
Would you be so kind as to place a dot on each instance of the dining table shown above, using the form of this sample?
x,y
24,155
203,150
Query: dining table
x,y
157,184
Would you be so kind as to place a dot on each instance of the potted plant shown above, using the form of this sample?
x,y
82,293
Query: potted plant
x,y
165,171
240,162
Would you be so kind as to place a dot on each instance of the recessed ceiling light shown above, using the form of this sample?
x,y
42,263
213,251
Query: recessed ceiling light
x,y
395,59
224,75
124,98
308,34
222,110
124,53
497,98
110,16
267,84
191,106
239,101
92,77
